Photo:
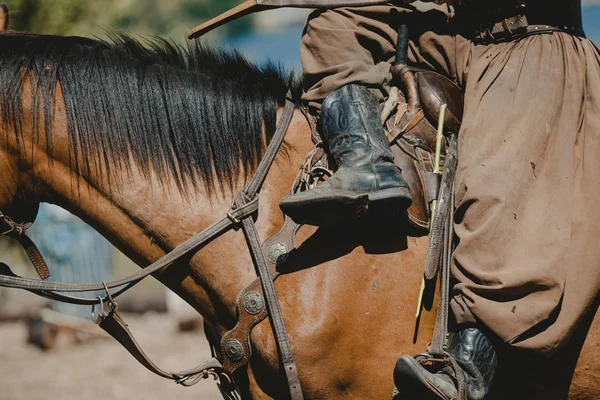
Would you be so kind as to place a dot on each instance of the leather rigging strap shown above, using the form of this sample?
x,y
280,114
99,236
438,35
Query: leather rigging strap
x,y
245,205
442,213
437,348
440,253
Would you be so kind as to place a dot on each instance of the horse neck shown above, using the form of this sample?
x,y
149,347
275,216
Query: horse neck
x,y
145,219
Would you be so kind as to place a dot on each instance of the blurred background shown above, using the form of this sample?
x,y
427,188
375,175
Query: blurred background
x,y
271,34
53,351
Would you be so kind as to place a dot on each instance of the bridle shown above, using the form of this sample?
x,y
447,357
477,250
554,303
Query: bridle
x,y
8,227
239,216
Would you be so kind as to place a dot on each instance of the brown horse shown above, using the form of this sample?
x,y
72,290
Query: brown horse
x,y
149,143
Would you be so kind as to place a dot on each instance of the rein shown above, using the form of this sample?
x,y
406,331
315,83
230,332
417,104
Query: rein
x,y
245,205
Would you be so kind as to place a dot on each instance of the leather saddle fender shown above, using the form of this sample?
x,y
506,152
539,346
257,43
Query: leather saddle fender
x,y
413,131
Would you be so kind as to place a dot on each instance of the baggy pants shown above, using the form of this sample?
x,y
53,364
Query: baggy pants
x,y
527,222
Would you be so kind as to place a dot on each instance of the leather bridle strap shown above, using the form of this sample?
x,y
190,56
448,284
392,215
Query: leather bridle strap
x,y
264,273
273,308
114,325
235,215
216,229
9,279
35,256
8,227
245,205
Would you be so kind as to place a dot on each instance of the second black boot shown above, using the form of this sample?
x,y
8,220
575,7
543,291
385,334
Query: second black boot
x,y
476,357
366,178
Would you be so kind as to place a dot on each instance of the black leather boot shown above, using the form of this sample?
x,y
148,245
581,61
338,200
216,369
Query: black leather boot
x,y
366,178
474,354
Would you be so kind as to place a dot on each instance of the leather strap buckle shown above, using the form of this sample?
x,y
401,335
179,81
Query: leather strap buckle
x,y
103,311
243,206
97,318
181,380
232,218
504,29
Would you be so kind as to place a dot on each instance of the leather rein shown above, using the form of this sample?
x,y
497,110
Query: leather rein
x,y
245,205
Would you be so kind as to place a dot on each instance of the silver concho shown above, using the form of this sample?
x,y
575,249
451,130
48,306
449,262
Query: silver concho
x,y
254,303
278,253
234,350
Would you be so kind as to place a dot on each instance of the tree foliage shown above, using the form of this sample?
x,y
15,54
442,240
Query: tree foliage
x,y
171,18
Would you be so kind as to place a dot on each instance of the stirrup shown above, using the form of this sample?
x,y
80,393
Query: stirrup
x,y
406,372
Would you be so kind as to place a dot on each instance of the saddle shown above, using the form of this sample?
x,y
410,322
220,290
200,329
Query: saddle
x,y
412,126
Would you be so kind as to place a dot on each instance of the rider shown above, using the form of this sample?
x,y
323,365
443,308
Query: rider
x,y
526,266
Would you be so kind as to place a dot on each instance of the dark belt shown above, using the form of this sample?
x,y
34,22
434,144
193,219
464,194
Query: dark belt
x,y
509,21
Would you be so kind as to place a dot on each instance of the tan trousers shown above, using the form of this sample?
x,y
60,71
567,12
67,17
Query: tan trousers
x,y
527,185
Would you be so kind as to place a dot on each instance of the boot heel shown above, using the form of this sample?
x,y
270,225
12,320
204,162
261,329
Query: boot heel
x,y
395,198
389,205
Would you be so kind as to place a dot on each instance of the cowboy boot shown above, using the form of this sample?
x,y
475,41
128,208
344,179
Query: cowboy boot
x,y
476,357
366,178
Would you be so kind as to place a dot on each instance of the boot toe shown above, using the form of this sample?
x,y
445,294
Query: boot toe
x,y
415,382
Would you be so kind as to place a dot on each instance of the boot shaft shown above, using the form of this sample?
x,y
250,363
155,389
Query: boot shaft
x,y
351,127
366,180
477,357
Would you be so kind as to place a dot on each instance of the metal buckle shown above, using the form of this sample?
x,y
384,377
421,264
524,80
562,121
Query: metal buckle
x,y
428,359
232,218
507,29
182,379
111,305
101,312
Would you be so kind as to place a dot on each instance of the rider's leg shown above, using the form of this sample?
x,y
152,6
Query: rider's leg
x,y
519,261
342,47
358,45
366,175
525,262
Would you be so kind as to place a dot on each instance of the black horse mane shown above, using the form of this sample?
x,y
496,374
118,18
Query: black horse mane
x,y
189,113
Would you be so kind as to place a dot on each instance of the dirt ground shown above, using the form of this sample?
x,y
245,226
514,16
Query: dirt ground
x,y
101,368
